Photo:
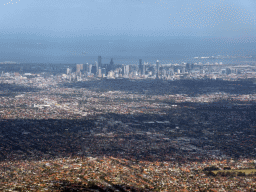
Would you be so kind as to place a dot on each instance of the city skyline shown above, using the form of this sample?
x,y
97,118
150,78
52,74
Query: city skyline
x,y
128,95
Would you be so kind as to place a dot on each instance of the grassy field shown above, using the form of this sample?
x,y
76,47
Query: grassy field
x,y
246,171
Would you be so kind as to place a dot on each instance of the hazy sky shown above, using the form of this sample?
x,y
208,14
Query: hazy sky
x,y
63,30
128,17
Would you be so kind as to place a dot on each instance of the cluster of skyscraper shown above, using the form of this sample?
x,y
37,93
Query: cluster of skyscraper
x,y
143,70
97,69
111,70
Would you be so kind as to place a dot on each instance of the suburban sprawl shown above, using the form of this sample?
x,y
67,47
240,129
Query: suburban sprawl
x,y
145,127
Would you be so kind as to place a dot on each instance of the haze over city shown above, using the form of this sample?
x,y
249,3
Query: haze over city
x,y
128,95
76,31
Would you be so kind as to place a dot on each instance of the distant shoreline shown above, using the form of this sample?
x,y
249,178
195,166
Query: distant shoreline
x,y
9,62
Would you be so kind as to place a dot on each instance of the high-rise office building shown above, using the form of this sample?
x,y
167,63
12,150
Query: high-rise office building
x,y
157,69
68,71
123,70
94,70
171,72
111,62
140,66
127,70
192,66
228,71
81,67
99,73
144,69
164,73
188,67
78,68
110,66
103,72
99,61
90,68
97,67
85,67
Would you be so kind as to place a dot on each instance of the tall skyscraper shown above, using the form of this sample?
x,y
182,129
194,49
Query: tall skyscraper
x,y
183,70
68,71
103,72
94,70
123,70
127,70
90,69
81,67
157,69
111,62
140,66
188,67
97,67
228,71
144,69
110,66
99,73
78,69
99,61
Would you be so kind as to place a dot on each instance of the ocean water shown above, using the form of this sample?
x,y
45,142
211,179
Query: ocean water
x,y
125,51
